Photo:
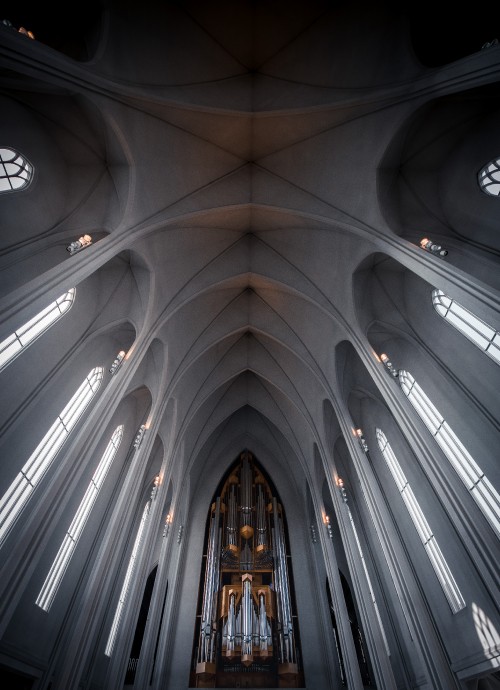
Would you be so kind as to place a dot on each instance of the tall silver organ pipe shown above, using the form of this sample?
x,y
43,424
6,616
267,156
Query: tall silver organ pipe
x,y
246,493
261,518
285,621
209,611
232,524
247,627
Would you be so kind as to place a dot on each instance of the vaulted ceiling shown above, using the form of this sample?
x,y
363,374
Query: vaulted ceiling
x,y
243,159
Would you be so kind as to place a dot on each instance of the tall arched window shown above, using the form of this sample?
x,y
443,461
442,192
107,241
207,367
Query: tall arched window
x,y
476,330
19,492
16,171
489,178
126,583
12,346
369,582
438,562
61,562
479,486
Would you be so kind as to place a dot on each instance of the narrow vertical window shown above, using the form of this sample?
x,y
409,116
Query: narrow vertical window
x,y
438,562
16,171
489,178
61,562
19,492
126,584
479,486
483,336
12,346
369,582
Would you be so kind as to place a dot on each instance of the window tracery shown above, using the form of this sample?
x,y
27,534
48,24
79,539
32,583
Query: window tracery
x,y
18,494
489,178
16,172
63,557
15,343
471,326
478,485
438,562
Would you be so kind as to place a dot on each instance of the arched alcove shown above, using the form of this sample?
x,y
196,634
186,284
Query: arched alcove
x,y
247,560
78,184
428,179
396,310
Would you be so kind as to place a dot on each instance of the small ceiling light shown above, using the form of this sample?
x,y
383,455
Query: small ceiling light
x,y
361,439
429,246
79,244
389,366
117,362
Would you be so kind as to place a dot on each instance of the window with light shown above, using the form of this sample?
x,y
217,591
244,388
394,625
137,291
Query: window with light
x,y
438,562
61,562
489,178
16,172
478,485
18,341
33,471
485,337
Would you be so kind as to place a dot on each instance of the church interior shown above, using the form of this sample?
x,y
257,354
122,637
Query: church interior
x,y
249,345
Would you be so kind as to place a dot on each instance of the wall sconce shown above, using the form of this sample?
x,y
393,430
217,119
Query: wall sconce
x,y
79,244
389,366
361,439
313,534
25,32
429,246
117,362
179,534
343,492
156,483
168,522
139,436
328,526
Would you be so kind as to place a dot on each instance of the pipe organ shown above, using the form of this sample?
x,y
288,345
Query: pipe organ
x,y
247,629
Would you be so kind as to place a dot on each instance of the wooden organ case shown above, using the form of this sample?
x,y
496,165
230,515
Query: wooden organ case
x,y
247,633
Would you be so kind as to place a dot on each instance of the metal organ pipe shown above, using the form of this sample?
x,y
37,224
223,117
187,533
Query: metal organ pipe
x,y
261,519
231,519
246,491
231,623
262,625
284,604
247,607
209,610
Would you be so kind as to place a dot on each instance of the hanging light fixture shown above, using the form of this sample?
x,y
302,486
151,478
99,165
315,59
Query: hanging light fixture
x,y
139,436
389,366
79,244
168,522
433,248
343,492
361,439
156,484
117,362
328,526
